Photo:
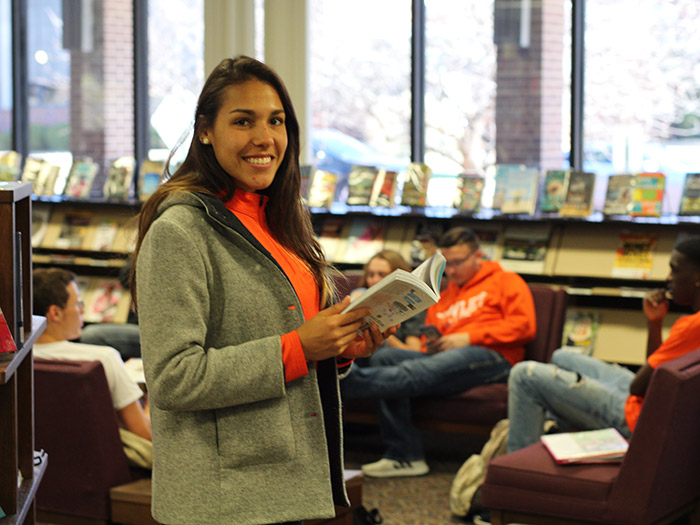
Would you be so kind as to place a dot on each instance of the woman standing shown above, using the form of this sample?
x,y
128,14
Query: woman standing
x,y
240,355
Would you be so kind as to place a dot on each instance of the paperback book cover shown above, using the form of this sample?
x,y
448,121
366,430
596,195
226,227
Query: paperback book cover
x,y
470,187
384,189
360,184
634,255
46,180
520,192
322,190
119,178
589,446
73,229
648,195
401,294
10,162
80,179
40,223
554,193
579,195
525,248
149,178
104,235
366,238
415,186
30,172
580,330
618,197
103,300
504,173
690,198
7,342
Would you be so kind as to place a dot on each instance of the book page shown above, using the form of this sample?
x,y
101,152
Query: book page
x,y
569,447
430,272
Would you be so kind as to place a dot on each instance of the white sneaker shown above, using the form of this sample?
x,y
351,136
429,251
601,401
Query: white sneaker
x,y
389,468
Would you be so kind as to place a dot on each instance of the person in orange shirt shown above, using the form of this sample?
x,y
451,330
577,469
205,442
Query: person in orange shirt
x,y
580,392
480,326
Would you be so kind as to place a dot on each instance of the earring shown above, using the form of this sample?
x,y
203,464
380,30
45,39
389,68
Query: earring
x,y
204,140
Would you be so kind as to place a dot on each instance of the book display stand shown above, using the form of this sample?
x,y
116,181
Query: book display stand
x,y
21,468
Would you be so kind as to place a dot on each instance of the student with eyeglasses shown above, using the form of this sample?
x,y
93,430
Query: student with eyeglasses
x,y
479,328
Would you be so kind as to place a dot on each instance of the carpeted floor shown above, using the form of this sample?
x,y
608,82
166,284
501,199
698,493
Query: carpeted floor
x,y
419,500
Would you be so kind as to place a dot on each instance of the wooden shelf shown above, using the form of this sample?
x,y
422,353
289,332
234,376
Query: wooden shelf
x,y
9,361
26,492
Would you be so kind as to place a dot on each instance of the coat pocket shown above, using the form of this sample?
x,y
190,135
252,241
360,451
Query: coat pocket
x,y
255,434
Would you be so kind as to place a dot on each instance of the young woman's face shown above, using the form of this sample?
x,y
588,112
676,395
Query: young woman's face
x,y
249,135
377,269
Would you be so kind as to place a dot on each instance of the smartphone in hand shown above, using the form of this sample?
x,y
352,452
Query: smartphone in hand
x,y
432,335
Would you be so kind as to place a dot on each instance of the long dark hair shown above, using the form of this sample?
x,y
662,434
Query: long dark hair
x,y
289,221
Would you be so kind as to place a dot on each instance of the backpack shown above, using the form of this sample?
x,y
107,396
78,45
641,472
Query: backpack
x,y
471,474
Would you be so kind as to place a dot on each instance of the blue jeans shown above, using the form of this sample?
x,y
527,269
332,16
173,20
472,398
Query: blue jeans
x,y
578,391
124,337
395,376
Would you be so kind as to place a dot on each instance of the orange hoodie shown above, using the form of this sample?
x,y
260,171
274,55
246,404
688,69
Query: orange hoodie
x,y
495,308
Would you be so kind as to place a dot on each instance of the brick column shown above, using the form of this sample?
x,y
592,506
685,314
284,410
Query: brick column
x,y
102,89
529,87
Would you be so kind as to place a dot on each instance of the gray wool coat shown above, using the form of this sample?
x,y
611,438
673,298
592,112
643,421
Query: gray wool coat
x,y
233,443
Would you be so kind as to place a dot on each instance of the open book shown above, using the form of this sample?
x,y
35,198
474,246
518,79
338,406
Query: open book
x,y
401,294
591,446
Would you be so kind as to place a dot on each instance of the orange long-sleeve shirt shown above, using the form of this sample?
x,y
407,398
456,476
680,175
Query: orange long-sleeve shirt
x,y
495,308
249,208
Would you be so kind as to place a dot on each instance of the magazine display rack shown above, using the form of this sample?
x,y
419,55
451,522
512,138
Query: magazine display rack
x,y
21,468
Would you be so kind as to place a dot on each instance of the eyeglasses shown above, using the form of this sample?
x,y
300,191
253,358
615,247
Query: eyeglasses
x,y
454,263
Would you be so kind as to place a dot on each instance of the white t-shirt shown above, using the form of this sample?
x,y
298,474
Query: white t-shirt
x,y
123,389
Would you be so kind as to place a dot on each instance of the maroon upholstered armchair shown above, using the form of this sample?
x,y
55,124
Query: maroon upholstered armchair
x,y
75,423
479,409
658,480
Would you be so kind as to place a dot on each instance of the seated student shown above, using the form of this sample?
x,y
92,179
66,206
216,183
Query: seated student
x,y
485,317
583,393
378,267
56,297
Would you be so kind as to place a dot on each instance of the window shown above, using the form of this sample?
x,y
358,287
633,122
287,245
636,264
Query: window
x,y
497,88
175,73
5,75
80,75
360,67
642,102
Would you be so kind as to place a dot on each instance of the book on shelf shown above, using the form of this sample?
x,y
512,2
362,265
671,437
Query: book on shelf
x,y
106,301
31,170
119,178
82,175
83,284
322,190
398,236
104,235
364,239
524,248
634,255
401,294
556,183
588,446
470,187
41,216
150,175
415,184
331,237
7,342
648,194
73,229
306,172
384,189
690,197
618,195
520,192
360,184
579,195
490,242
580,330
46,180
10,164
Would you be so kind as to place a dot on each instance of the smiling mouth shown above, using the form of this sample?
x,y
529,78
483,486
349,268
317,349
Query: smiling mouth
x,y
259,161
